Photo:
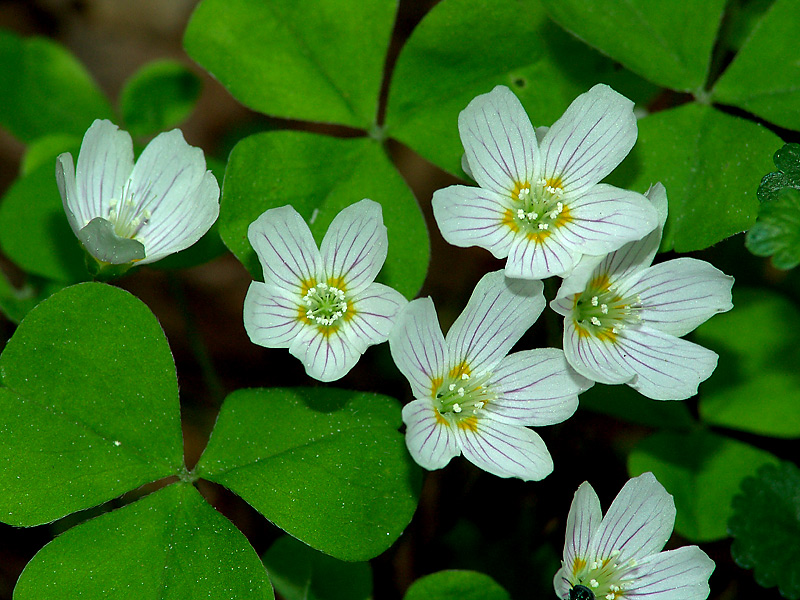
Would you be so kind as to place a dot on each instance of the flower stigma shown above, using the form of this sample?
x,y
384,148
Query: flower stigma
x,y
604,577
603,312
325,304
127,217
539,208
461,396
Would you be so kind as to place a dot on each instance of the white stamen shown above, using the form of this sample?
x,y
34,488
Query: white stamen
x,y
595,301
604,309
456,408
520,213
593,583
451,387
596,321
543,225
461,392
465,376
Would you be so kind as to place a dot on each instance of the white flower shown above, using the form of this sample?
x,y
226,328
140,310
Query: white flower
x,y
123,213
473,399
624,318
321,305
618,557
541,204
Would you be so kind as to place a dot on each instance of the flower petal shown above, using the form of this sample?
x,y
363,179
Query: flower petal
x,y
499,141
680,574
599,360
326,355
583,521
354,247
498,313
374,313
470,216
680,294
541,257
505,450
271,316
417,346
590,139
288,254
430,440
537,387
104,164
638,522
65,178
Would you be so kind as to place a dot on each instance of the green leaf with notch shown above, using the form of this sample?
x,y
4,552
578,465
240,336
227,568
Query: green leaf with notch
x,y
89,405
702,471
285,59
319,176
456,585
668,42
764,77
170,545
327,466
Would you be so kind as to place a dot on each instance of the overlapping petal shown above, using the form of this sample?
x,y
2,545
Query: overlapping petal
x,y
374,310
430,442
680,574
541,257
583,521
271,316
326,356
597,359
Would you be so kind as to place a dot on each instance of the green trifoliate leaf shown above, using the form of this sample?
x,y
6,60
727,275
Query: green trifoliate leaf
x,y
286,59
158,96
464,48
764,77
89,405
319,176
777,230
44,90
299,572
766,526
668,42
709,163
787,159
326,465
456,585
703,472
170,545
756,386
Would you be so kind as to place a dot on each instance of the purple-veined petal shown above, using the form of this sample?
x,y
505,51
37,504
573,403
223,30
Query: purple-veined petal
x,y
680,574
560,583
354,247
599,360
583,521
590,139
638,522
271,316
541,257
498,313
537,387
288,254
680,294
499,141
605,218
429,437
504,450
417,346
470,216
374,313
65,178
104,164
326,355
666,367
588,268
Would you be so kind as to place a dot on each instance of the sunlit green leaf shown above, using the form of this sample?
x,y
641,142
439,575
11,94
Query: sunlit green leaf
x,y
44,150
158,96
89,405
766,526
702,471
456,585
756,386
764,77
170,545
326,465
319,176
299,572
286,59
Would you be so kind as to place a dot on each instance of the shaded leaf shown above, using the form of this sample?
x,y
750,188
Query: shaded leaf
x,y
456,585
777,230
625,403
16,302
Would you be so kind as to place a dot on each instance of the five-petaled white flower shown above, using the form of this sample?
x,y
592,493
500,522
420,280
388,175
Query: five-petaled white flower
x,y
321,304
124,213
619,556
542,205
624,318
473,399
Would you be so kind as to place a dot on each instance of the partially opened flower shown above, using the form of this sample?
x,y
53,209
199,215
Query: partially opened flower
x,y
618,556
542,205
473,399
624,318
321,304
124,213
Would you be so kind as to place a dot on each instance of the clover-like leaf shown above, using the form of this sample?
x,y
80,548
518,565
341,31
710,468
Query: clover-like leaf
x,y
16,302
319,176
327,466
170,545
456,585
89,405
777,230
765,525
787,159
703,472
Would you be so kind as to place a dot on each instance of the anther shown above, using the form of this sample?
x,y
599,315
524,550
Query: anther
x,y
456,407
604,309
595,301
594,583
461,392
451,387
596,322
465,376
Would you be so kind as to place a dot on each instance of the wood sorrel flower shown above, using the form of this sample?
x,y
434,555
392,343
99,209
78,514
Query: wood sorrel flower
x,y
321,304
123,213
473,399
624,318
542,205
618,557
